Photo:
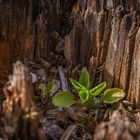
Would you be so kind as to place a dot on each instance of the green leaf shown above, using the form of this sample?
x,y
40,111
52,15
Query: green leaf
x,y
49,86
84,95
98,89
84,79
77,86
113,95
63,99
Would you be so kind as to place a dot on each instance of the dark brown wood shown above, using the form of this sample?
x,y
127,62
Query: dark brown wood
x,y
103,35
20,114
118,128
92,33
106,33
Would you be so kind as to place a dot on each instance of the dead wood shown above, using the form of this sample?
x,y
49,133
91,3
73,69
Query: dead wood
x,y
20,114
118,128
91,33
103,35
63,78
68,132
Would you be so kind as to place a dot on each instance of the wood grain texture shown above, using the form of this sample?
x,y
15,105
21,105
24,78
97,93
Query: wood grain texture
x,y
90,33
106,32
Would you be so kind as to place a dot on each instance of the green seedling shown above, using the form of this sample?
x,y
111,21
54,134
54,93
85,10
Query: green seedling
x,y
83,87
46,89
86,94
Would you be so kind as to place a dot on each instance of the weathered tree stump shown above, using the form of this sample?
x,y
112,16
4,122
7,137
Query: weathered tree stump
x,y
20,116
118,128
106,33
103,35
93,33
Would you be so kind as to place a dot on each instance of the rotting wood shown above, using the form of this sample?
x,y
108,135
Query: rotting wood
x,y
106,30
134,86
27,29
118,128
66,135
19,111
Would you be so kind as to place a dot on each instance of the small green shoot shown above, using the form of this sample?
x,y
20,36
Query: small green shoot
x,y
86,95
83,87
46,89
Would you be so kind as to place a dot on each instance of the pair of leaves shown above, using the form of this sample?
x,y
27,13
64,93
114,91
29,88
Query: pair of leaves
x,y
83,92
84,81
83,86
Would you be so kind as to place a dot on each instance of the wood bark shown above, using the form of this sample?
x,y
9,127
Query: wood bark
x,y
118,128
93,33
20,116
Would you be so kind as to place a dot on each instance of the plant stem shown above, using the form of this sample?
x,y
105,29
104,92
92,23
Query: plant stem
x,y
89,104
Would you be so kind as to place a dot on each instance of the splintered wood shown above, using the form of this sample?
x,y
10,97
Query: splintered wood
x,y
118,128
20,114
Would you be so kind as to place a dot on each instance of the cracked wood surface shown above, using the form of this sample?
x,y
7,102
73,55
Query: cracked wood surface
x,y
90,32
20,115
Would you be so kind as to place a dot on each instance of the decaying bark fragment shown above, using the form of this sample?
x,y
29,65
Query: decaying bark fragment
x,y
20,114
134,85
118,128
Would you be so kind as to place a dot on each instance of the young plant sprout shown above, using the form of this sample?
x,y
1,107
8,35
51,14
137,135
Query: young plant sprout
x,y
86,94
46,89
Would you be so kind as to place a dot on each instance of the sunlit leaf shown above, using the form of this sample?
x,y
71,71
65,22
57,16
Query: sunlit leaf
x,y
84,79
63,99
113,95
98,89
77,86
84,95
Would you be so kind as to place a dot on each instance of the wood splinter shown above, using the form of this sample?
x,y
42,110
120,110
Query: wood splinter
x,y
19,109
